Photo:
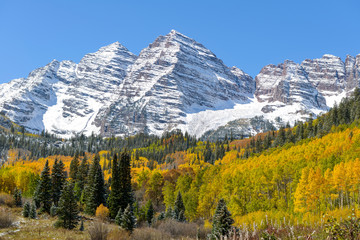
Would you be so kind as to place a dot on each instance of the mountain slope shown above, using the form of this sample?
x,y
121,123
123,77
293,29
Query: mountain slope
x,y
172,77
174,83
64,97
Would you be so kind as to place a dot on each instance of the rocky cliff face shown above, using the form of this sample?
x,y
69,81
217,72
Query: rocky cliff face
x,y
174,83
287,83
64,97
172,77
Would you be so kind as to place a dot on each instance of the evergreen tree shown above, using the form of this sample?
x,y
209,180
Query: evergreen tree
x,y
222,221
33,213
17,197
118,217
125,190
150,212
58,177
179,208
44,189
128,220
82,225
74,166
115,194
81,178
68,210
95,190
26,210
53,210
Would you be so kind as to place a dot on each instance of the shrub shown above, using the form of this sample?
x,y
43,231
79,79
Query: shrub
x,y
119,234
149,234
102,212
98,231
6,199
6,219
178,229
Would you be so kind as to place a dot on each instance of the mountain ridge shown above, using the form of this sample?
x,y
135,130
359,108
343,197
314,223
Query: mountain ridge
x,y
175,82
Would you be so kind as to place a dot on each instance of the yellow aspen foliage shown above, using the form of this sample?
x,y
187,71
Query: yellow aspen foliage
x,y
102,212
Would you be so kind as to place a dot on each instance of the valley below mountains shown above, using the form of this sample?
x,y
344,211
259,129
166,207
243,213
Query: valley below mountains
x,y
174,83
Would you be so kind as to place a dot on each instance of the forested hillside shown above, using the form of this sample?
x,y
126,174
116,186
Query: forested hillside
x,y
297,176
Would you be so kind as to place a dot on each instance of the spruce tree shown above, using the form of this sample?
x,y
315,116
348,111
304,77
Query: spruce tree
x,y
82,225
26,210
81,178
115,194
58,177
179,208
169,213
68,210
17,197
125,190
222,221
32,213
95,190
118,217
150,212
74,166
128,220
44,189
53,210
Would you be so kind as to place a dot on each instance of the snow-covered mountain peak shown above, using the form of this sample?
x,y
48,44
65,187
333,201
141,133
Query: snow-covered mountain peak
x,y
175,82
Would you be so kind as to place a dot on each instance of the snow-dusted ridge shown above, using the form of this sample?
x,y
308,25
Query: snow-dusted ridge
x,y
174,83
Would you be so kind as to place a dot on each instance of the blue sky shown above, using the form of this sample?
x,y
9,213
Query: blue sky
x,y
246,34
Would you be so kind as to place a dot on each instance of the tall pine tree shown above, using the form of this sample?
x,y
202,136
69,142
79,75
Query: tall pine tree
x,y
126,197
179,209
44,189
58,177
68,210
95,189
115,194
74,166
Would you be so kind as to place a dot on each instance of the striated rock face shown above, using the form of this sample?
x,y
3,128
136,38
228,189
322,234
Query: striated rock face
x,y
174,76
352,71
317,83
327,74
64,97
174,83
287,83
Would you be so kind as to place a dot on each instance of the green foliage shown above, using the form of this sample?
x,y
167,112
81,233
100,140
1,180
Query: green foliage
x,y
119,217
44,189
222,221
17,197
150,212
33,213
53,210
68,210
179,209
26,210
82,228
74,166
128,220
95,189
116,187
58,177
125,190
